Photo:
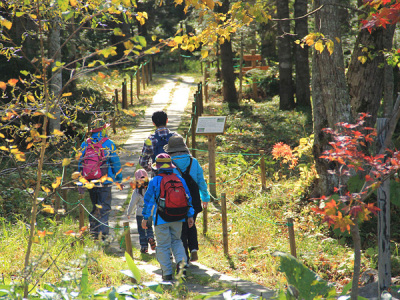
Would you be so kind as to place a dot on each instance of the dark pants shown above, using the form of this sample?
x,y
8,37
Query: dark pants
x,y
144,234
98,217
189,237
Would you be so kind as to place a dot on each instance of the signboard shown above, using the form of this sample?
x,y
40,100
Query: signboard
x,y
211,125
252,57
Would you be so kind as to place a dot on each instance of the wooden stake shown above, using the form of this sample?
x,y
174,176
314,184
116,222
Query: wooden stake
x,y
146,71
143,78
224,224
263,177
151,69
194,119
211,165
206,77
57,205
253,65
240,69
128,241
205,220
292,240
131,78
137,84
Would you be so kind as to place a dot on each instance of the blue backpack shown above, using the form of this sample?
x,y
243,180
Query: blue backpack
x,y
161,142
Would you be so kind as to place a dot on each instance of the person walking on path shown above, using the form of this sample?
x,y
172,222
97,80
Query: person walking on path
x,y
168,232
146,236
155,143
110,166
189,168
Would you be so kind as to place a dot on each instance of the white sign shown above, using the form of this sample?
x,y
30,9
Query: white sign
x,y
212,124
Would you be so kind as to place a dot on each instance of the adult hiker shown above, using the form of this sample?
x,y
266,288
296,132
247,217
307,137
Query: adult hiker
x,y
169,195
98,158
190,170
155,143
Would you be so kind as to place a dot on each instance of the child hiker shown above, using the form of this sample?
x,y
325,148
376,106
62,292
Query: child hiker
x,y
169,195
146,236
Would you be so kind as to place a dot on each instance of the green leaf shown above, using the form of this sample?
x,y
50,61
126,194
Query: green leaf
x,y
113,294
85,281
132,266
118,32
346,288
19,13
142,41
63,4
308,283
25,73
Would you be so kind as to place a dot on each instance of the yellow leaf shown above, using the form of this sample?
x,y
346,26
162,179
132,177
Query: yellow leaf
x,y
66,162
58,132
3,85
309,39
128,45
47,190
362,59
20,157
101,75
83,180
5,23
50,116
29,146
35,239
153,37
73,3
67,94
30,98
129,164
330,46
99,206
204,53
89,185
319,46
297,42
178,39
4,148
57,183
337,39
2,136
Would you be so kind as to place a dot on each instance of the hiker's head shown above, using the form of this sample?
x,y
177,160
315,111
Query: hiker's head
x,y
176,144
98,125
141,178
163,161
159,118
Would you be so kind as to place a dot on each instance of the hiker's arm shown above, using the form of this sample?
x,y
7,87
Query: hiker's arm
x,y
190,222
132,203
204,194
147,152
115,162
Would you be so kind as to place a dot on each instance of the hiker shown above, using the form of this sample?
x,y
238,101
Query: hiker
x,y
146,236
98,158
190,170
155,143
164,191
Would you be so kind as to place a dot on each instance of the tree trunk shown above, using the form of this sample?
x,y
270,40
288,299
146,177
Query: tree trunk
x,y
301,56
365,80
329,91
284,57
227,70
56,78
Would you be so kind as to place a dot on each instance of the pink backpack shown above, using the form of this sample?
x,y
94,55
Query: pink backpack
x,y
93,166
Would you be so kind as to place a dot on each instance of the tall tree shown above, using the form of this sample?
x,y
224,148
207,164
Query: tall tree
x,y
301,55
227,70
284,56
329,91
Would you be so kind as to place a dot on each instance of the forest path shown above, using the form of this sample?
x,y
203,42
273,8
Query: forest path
x,y
173,97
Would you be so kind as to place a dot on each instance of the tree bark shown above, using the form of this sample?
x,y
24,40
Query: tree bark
x,y
301,56
284,57
227,70
329,91
365,80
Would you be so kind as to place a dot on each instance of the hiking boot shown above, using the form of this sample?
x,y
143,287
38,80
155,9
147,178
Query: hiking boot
x,y
167,277
183,271
193,255
144,250
152,243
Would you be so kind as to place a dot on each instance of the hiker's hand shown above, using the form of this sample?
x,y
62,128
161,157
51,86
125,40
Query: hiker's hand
x,y
190,222
205,204
144,224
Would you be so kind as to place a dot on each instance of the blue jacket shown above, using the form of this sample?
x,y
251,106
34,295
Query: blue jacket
x,y
182,161
151,196
113,162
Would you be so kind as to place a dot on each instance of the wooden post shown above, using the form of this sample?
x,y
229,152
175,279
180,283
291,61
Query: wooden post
x,y
113,122
200,98
194,135
262,166
128,241
205,221
224,224
185,134
143,77
240,69
146,71
131,78
180,59
124,95
206,76
211,165
384,265
81,212
151,69
153,64
253,65
292,239
137,83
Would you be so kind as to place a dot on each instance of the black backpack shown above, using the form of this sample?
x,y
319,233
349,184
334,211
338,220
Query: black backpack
x,y
193,187
161,142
